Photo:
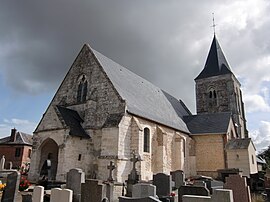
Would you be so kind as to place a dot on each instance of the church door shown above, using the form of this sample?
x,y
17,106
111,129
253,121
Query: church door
x,y
49,159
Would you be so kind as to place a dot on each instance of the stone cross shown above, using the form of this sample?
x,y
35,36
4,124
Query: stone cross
x,y
2,163
134,159
111,167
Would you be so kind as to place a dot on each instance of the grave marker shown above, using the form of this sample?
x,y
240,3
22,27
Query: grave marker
x,y
11,190
178,177
142,190
75,177
238,185
111,167
163,184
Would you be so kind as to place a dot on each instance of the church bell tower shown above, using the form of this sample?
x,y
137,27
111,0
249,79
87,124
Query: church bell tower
x,y
218,90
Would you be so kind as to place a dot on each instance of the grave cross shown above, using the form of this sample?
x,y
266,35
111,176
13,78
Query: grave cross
x,y
134,159
111,167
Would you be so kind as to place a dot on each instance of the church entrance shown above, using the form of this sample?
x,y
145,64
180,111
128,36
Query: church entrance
x,y
48,159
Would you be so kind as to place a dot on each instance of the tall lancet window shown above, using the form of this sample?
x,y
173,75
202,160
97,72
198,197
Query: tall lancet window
x,y
146,140
82,89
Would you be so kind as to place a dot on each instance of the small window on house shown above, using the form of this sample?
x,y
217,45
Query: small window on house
x,y
18,152
252,158
29,153
82,89
80,157
146,140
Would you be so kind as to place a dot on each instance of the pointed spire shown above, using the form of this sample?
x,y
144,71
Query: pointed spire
x,y
216,63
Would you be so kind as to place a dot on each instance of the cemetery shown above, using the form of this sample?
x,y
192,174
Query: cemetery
x,y
109,135
169,188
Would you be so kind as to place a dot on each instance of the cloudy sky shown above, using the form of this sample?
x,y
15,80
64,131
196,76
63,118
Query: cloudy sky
x,y
166,42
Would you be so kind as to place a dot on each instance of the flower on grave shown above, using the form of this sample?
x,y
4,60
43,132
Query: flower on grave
x,y
2,186
172,194
24,184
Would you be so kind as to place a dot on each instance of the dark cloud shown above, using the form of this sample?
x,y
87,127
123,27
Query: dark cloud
x,y
165,42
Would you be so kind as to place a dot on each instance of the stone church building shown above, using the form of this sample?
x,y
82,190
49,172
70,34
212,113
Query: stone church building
x,y
102,112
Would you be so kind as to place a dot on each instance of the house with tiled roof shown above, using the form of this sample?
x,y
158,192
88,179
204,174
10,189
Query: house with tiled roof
x,y
16,148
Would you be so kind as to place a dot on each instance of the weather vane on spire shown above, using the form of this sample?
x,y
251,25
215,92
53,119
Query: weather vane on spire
x,y
214,25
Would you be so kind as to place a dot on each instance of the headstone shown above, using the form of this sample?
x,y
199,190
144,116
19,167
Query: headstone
x,y
75,177
133,177
38,194
178,177
143,190
163,184
193,198
10,165
93,191
111,167
11,190
148,199
55,195
61,195
199,183
238,185
109,191
66,195
222,195
2,163
192,190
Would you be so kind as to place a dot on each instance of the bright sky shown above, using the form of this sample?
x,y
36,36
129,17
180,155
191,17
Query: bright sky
x,y
166,42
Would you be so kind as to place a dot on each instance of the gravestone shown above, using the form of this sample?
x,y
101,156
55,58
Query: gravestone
x,y
11,190
111,167
2,163
238,185
192,190
200,183
10,165
133,177
222,195
143,190
178,177
75,177
93,191
61,195
147,199
163,184
38,194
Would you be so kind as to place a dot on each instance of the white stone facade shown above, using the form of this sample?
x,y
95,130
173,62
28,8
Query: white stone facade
x,y
113,132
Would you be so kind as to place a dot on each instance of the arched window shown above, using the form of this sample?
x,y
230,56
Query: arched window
x,y
146,140
82,90
212,94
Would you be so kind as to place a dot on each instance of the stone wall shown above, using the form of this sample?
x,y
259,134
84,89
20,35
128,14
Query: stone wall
x,y
102,99
213,146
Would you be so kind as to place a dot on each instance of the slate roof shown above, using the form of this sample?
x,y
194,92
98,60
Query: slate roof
x,y
216,63
260,160
73,120
216,123
142,97
21,139
238,143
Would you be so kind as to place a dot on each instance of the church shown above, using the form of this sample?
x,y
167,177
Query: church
x,y
103,112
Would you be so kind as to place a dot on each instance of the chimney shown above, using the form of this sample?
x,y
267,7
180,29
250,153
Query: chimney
x,y
13,135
